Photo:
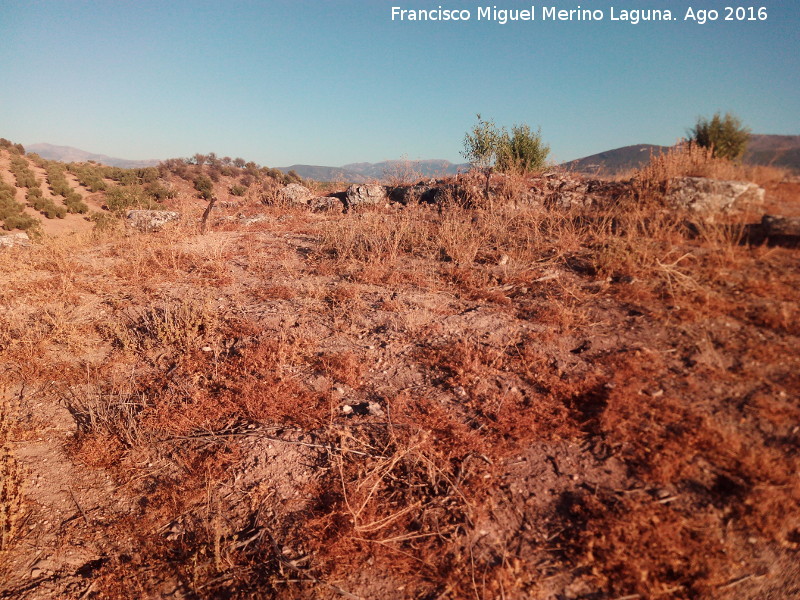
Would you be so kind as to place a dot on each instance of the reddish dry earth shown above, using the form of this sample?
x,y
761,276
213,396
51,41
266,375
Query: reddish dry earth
x,y
327,405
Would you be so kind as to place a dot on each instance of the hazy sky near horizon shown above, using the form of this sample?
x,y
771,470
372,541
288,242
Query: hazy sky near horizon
x,y
333,82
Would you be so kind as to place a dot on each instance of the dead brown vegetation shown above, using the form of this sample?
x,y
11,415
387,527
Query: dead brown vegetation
x,y
520,401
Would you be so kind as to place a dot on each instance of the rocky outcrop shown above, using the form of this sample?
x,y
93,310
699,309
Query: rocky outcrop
x,y
150,220
561,190
358,195
294,193
566,190
412,194
16,239
326,203
712,196
776,227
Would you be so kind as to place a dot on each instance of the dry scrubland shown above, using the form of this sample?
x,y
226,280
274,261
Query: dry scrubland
x,y
515,401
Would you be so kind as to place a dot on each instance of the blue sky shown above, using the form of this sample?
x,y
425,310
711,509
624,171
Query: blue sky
x,y
333,82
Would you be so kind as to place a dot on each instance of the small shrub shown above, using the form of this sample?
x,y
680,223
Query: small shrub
x,y
89,175
128,197
11,211
159,192
292,177
522,152
45,205
12,147
23,175
75,204
20,221
104,221
205,186
724,135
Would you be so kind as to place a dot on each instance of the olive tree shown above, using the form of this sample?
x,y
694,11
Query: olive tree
x,y
488,147
482,147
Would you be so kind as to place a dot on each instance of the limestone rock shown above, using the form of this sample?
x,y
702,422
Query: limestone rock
x,y
18,238
568,193
776,226
567,190
252,219
294,193
325,204
364,194
711,196
413,194
150,220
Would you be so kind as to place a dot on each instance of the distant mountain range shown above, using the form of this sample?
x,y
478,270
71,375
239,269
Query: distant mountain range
x,y
615,161
69,154
775,150
380,171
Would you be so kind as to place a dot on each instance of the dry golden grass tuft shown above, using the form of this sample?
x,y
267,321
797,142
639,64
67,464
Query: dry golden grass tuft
x,y
342,366
691,160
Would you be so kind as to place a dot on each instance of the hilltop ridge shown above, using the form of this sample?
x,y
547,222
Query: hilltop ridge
x,y
781,151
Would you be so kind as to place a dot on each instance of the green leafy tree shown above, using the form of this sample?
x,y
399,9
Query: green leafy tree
x,y
481,145
488,147
481,148
725,135
522,152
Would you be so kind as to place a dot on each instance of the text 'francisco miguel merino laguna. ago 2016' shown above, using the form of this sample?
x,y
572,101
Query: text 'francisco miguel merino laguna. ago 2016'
x,y
554,13
545,13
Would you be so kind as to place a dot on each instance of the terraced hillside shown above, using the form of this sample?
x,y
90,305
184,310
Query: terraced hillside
x,y
50,197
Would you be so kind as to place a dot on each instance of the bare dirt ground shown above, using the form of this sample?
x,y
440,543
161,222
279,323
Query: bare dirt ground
x,y
522,402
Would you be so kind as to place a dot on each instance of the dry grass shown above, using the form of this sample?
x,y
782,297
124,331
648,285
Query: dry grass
x,y
587,402
690,160
11,475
